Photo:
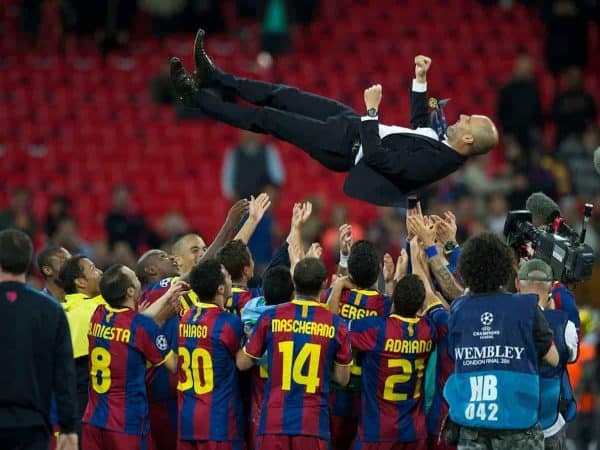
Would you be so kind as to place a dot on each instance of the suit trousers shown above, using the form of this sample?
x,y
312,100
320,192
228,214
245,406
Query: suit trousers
x,y
323,128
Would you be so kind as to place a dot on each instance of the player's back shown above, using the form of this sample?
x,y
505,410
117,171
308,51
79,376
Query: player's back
x,y
393,367
121,341
240,296
345,400
361,303
303,339
209,402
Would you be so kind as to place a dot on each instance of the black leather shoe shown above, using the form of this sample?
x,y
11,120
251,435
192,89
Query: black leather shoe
x,y
183,83
204,65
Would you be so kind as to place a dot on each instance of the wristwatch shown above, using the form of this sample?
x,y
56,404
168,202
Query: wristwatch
x,y
372,112
450,246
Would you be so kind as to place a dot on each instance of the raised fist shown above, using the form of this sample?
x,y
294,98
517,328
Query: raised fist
x,y
373,96
422,64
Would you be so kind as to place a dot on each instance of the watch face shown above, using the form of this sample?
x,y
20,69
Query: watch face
x,y
372,112
450,246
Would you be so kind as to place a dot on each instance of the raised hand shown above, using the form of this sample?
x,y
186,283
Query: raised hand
x,y
301,213
401,266
295,253
425,233
373,96
236,212
315,251
422,64
258,206
418,260
173,305
412,212
345,239
388,268
445,228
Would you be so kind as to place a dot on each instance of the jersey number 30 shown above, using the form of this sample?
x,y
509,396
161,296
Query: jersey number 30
x,y
198,370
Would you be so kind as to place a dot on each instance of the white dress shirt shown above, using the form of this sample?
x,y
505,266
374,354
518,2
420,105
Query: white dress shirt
x,y
385,130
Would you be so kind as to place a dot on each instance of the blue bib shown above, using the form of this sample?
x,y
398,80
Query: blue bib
x,y
495,383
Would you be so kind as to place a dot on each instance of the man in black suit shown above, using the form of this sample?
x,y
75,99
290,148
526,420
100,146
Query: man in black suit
x,y
385,164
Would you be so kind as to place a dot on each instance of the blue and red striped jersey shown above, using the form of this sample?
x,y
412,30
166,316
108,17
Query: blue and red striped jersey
x,y
444,367
396,351
121,341
356,304
208,398
240,295
162,384
360,303
303,340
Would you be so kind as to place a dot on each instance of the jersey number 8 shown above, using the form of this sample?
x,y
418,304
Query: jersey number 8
x,y
100,372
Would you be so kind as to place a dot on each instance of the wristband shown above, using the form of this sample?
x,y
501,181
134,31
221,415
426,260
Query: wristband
x,y
431,251
343,261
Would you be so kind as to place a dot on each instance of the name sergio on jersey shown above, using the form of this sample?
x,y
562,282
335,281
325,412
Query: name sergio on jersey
x,y
299,326
110,333
352,312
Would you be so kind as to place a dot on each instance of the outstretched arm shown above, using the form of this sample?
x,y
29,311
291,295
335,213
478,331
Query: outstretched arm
x,y
256,210
419,116
234,216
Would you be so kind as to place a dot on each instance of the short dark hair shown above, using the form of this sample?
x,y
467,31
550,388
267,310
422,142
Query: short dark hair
x,y
205,279
69,272
278,286
234,256
364,264
16,251
43,257
309,275
408,296
143,262
485,263
114,284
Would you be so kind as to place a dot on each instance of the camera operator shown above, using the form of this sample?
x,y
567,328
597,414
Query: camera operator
x,y
496,339
535,277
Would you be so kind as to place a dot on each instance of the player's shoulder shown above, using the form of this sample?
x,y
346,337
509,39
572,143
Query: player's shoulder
x,y
366,323
230,318
141,320
436,310
46,300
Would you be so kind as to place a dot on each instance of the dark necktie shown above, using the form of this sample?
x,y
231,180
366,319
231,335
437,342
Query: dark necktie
x,y
437,118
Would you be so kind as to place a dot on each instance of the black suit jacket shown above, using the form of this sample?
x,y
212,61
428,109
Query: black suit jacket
x,y
399,164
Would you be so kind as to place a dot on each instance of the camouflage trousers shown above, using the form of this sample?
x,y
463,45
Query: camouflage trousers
x,y
485,439
557,441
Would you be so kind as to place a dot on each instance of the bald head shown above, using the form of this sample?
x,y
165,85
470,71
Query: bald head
x,y
155,265
472,135
485,135
187,251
